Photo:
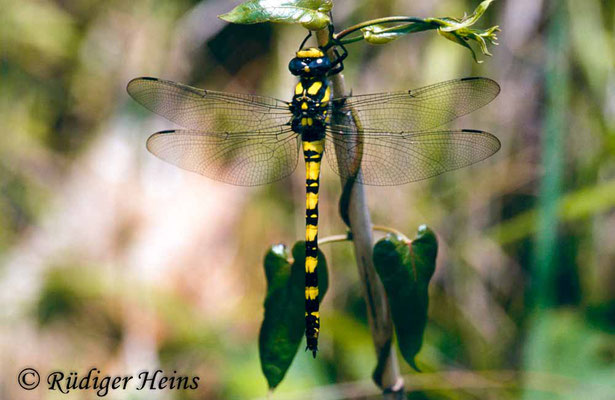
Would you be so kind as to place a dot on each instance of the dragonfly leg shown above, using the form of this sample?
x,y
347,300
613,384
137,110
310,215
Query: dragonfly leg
x,y
337,64
309,35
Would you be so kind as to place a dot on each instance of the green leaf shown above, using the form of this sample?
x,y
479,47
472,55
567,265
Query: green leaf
x,y
405,270
460,31
454,37
312,14
453,24
380,34
283,327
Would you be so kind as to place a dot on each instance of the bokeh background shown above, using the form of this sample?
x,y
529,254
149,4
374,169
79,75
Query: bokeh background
x,y
112,258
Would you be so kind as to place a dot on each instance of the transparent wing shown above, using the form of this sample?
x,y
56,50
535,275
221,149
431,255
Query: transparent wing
x,y
393,159
419,109
239,159
208,110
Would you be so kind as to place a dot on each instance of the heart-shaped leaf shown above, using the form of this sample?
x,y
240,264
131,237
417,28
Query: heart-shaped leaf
x,y
283,327
405,270
312,14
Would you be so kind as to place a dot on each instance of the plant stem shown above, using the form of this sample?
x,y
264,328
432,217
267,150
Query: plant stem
x,y
333,239
378,21
387,374
348,236
395,232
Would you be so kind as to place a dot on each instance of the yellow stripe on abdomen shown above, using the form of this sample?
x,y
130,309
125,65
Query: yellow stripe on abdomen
x,y
311,293
310,264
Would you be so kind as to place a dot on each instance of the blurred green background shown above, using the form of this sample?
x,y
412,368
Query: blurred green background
x,y
112,258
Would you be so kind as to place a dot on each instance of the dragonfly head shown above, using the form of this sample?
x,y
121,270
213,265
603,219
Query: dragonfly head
x,y
310,62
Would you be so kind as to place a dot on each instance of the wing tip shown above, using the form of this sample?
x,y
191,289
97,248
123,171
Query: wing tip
x,y
484,133
137,79
143,78
156,135
482,78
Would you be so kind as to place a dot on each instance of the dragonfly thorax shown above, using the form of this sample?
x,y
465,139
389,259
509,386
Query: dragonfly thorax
x,y
309,107
311,98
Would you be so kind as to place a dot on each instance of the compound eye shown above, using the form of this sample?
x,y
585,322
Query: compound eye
x,y
321,64
295,66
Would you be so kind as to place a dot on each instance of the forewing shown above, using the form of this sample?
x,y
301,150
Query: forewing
x,y
244,160
208,110
393,159
418,109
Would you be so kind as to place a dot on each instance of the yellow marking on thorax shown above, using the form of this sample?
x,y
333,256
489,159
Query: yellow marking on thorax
x,y
304,106
326,96
314,88
311,201
311,292
310,264
311,52
299,88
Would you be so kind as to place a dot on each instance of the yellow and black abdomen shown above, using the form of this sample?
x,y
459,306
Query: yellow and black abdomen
x,y
309,106
312,152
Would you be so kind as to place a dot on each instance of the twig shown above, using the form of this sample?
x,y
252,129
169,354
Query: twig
x,y
387,374
395,232
348,236
334,239
387,20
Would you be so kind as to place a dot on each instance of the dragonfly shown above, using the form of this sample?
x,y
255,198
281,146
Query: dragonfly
x,y
379,139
